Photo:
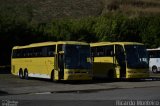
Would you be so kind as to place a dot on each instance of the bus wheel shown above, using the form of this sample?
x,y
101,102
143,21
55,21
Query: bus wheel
x,y
21,74
52,76
26,74
154,69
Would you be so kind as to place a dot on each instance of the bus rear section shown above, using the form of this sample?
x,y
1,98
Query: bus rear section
x,y
154,61
127,60
67,60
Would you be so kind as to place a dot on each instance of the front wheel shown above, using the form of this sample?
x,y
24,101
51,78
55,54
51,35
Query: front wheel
x,y
26,74
154,69
52,76
21,74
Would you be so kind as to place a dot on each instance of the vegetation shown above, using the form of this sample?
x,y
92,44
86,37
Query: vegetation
x,y
110,23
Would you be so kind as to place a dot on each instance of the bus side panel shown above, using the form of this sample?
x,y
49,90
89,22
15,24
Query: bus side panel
x,y
36,67
77,74
102,65
154,62
137,73
40,67
49,65
18,64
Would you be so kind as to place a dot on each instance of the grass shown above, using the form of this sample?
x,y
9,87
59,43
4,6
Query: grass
x,y
131,7
45,10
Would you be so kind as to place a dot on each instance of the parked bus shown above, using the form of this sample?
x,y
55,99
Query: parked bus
x,y
68,60
154,63
119,60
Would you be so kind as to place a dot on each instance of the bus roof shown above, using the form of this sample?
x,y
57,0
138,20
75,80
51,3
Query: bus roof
x,y
153,49
111,43
50,43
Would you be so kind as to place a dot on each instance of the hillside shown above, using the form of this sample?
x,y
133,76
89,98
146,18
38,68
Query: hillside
x,y
27,21
46,10
132,7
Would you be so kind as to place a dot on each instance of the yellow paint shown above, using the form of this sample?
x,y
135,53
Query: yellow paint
x,y
45,65
102,65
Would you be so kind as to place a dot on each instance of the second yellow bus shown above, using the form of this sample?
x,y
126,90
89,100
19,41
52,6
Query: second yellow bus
x,y
120,60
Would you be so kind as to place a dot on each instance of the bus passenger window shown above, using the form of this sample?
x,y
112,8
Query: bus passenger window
x,y
51,51
93,51
109,50
100,51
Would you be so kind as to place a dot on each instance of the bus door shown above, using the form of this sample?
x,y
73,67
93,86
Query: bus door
x,y
120,59
61,65
60,62
56,69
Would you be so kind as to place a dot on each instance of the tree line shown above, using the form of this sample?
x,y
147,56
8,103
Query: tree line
x,y
109,27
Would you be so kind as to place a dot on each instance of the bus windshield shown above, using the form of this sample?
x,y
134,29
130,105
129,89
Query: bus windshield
x,y
136,56
77,56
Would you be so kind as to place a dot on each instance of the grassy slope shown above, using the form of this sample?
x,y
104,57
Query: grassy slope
x,y
133,7
46,10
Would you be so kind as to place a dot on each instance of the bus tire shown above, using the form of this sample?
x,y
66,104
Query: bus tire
x,y
154,69
52,76
26,74
20,74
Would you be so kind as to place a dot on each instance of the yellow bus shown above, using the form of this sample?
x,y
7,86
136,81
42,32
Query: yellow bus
x,y
62,60
119,60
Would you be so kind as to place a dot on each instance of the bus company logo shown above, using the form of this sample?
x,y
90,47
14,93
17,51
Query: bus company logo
x,y
9,103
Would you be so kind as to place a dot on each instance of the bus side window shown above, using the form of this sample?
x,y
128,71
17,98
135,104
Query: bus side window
x,y
158,54
14,55
31,52
18,54
93,51
51,50
100,51
24,53
109,50
39,51
44,51
151,54
59,48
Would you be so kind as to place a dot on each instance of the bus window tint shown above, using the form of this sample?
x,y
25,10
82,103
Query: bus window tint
x,y
154,54
120,55
76,56
45,51
101,51
137,56
109,50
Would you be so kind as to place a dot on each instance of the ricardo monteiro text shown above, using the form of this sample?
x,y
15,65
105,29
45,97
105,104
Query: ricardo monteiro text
x,y
148,103
137,103
125,103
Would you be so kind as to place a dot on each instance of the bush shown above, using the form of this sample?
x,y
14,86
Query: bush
x,y
110,27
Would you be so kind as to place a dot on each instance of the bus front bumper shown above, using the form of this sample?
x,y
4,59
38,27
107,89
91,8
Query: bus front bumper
x,y
137,73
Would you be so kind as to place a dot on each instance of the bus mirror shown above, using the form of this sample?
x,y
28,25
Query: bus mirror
x,y
92,59
89,60
112,53
61,52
